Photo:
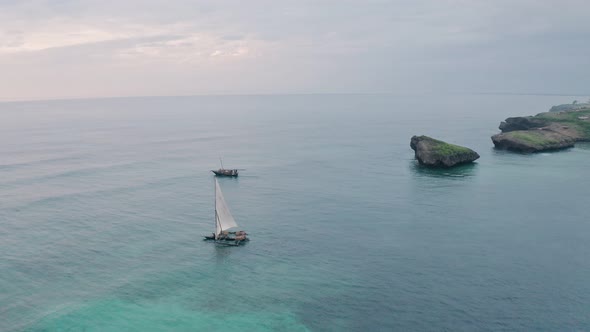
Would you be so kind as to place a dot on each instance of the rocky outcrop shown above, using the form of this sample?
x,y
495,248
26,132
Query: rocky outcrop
x,y
432,152
522,123
544,131
534,140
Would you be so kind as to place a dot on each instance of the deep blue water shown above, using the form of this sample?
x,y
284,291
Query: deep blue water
x,y
103,204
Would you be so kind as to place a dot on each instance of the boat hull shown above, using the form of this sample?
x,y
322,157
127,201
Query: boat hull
x,y
218,173
226,241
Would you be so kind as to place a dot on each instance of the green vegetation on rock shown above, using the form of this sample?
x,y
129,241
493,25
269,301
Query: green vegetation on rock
x,y
449,149
574,120
533,137
444,148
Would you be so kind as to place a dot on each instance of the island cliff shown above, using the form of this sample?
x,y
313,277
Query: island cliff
x,y
432,152
544,131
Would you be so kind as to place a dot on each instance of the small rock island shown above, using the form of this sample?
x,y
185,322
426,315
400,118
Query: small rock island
x,y
553,130
432,152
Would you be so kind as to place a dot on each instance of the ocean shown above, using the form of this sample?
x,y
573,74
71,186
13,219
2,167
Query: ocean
x,y
104,203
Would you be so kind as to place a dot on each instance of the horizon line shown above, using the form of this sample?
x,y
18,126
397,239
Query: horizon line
x,y
556,94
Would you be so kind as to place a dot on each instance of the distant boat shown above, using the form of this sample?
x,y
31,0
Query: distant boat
x,y
224,221
225,172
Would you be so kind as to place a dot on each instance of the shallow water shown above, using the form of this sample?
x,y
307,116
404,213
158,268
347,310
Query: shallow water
x,y
103,204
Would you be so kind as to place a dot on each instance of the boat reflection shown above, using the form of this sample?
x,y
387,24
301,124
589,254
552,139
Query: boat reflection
x,y
457,172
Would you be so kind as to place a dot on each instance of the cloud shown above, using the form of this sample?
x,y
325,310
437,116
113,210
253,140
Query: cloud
x,y
188,48
290,46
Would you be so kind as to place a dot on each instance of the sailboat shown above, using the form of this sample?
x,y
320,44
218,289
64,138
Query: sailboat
x,y
225,172
224,221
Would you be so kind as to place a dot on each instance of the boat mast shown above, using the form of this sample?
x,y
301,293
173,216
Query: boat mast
x,y
220,161
215,198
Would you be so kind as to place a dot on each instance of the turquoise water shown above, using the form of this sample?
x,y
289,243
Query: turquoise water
x,y
103,204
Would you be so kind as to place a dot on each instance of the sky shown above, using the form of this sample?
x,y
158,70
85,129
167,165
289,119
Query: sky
x,y
51,49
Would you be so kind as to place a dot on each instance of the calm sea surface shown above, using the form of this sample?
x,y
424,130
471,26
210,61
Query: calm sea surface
x,y
103,205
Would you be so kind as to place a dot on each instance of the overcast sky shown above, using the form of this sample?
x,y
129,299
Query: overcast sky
x,y
96,48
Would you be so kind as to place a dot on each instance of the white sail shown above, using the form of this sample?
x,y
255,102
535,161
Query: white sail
x,y
224,219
